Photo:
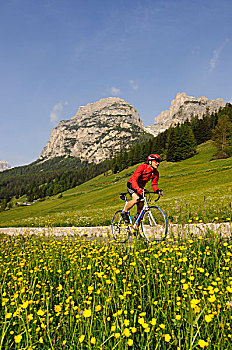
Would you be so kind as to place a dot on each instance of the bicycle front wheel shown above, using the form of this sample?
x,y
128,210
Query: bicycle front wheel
x,y
154,225
120,230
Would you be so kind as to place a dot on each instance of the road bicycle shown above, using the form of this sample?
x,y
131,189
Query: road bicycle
x,y
151,224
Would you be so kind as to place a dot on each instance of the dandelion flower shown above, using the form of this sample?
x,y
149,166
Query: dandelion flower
x,y
208,318
81,339
59,288
130,342
25,304
57,308
40,313
18,338
202,343
212,299
126,332
93,340
167,338
153,322
87,313
97,308
113,328
126,323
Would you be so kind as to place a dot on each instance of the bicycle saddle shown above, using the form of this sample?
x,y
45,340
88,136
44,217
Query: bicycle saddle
x,y
123,196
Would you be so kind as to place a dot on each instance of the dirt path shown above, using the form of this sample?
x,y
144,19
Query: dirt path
x,y
224,229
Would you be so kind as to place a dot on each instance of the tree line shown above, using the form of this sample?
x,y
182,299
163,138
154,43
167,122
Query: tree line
x,y
180,142
41,179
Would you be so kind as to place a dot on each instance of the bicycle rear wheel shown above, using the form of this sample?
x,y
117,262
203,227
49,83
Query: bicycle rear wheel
x,y
154,225
120,230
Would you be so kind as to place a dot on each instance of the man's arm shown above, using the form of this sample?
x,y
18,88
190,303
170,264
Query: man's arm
x,y
134,178
154,182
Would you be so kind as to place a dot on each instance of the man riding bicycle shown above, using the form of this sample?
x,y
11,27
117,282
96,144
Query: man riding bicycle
x,y
144,173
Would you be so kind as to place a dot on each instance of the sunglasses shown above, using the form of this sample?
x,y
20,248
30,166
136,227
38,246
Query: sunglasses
x,y
157,160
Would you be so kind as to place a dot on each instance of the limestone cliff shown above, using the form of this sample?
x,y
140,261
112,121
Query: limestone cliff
x,y
4,165
96,132
182,108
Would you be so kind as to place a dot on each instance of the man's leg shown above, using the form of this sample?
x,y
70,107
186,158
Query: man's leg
x,y
132,202
139,207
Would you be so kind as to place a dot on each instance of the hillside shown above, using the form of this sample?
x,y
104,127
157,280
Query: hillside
x,y
195,187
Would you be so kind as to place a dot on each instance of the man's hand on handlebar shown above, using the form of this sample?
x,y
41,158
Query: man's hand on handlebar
x,y
159,192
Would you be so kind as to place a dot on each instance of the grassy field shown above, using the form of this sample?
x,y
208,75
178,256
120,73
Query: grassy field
x,y
63,294
195,189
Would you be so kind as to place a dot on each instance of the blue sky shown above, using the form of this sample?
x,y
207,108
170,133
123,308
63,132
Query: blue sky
x,y
56,55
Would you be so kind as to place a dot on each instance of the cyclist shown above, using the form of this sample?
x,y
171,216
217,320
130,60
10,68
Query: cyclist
x,y
144,173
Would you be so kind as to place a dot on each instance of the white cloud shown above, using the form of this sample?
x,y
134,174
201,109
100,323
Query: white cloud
x,y
56,112
115,91
216,55
133,85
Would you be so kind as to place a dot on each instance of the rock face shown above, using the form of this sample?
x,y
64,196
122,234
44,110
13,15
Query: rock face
x,y
96,132
4,165
182,108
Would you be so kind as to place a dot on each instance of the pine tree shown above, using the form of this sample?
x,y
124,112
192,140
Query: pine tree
x,y
187,143
171,145
222,132
181,143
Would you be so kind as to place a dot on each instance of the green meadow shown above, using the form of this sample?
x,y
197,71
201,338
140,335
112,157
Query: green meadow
x,y
197,189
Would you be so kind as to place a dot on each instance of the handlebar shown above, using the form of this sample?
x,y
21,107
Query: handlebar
x,y
151,192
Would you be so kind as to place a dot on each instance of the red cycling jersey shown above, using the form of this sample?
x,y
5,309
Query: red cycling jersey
x,y
142,175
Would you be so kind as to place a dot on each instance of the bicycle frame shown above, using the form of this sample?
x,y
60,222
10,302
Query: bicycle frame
x,y
145,209
151,220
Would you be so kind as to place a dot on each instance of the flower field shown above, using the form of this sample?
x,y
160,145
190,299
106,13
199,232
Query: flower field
x,y
65,294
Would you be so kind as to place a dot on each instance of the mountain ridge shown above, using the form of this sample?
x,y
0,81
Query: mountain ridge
x,y
4,165
184,107
97,132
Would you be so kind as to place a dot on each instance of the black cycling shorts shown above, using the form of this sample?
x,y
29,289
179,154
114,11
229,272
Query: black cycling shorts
x,y
132,190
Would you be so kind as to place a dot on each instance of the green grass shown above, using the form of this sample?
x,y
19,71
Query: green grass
x,y
194,188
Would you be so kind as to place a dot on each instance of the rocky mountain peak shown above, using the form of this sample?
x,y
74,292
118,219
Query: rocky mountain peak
x,y
97,131
4,165
182,108
109,105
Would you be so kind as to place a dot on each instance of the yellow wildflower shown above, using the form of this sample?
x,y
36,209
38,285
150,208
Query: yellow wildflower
x,y
18,338
40,312
202,343
208,318
167,338
87,313
81,339
126,323
97,308
93,340
25,304
153,322
57,308
126,332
